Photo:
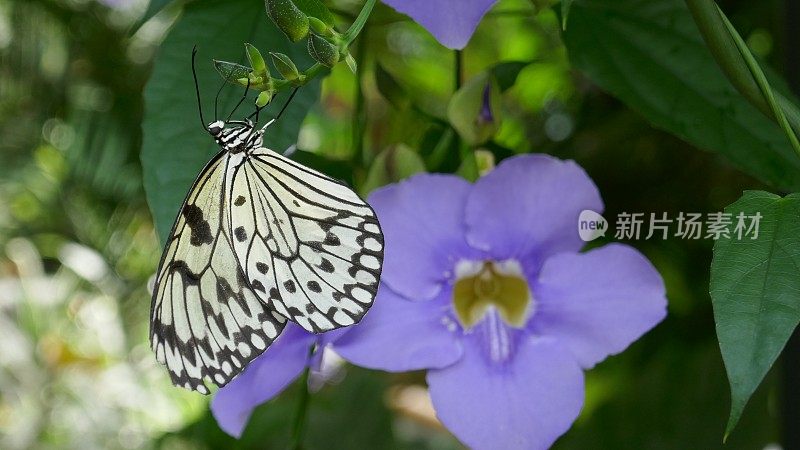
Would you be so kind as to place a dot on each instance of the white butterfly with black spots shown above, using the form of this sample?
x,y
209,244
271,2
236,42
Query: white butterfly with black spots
x,y
259,239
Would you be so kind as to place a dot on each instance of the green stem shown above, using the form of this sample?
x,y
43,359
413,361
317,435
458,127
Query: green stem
x,y
763,84
741,68
361,20
459,69
347,38
302,406
359,116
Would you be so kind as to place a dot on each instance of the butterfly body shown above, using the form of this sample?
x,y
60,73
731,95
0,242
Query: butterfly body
x,y
259,240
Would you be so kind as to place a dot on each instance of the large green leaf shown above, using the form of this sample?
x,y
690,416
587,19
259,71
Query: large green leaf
x,y
175,147
755,288
650,55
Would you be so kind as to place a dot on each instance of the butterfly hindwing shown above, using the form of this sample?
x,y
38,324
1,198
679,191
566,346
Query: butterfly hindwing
x,y
206,320
307,243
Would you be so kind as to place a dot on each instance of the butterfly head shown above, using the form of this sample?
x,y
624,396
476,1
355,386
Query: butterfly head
x,y
236,135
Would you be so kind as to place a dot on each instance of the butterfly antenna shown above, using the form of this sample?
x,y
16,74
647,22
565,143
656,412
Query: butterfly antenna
x,y
283,108
197,88
286,105
216,98
256,113
241,100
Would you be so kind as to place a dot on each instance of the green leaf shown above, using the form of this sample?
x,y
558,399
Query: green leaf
x,y
175,147
755,289
650,55
393,164
316,9
232,72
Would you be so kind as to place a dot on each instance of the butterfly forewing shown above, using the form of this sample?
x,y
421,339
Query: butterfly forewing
x,y
206,320
307,243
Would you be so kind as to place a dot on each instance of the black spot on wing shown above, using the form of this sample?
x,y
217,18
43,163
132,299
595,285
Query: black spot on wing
x,y
241,234
326,265
201,230
290,287
239,201
275,294
257,286
313,286
261,267
332,240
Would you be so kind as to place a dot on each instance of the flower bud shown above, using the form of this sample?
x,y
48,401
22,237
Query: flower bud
x,y
474,111
322,51
319,27
485,161
264,98
257,61
288,18
285,66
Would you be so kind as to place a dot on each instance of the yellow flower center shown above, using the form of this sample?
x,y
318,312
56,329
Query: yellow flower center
x,y
481,286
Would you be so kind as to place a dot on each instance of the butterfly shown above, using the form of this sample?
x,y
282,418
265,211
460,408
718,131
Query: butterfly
x,y
259,240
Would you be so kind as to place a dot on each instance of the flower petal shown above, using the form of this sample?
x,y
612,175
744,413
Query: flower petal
x,y
451,22
527,403
527,208
264,378
399,335
422,219
597,303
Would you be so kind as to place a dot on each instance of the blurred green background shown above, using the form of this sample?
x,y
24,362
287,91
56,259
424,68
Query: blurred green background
x,y
78,246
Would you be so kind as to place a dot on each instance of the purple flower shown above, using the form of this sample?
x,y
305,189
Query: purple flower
x,y
268,375
483,285
451,22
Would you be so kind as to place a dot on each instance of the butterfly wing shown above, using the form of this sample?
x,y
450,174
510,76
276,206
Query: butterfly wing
x,y
206,321
307,243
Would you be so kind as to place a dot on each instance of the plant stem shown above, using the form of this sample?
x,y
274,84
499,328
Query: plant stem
x,y
732,58
763,84
348,37
459,68
302,406
359,115
361,20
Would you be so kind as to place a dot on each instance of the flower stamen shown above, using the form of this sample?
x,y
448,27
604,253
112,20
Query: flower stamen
x,y
487,285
